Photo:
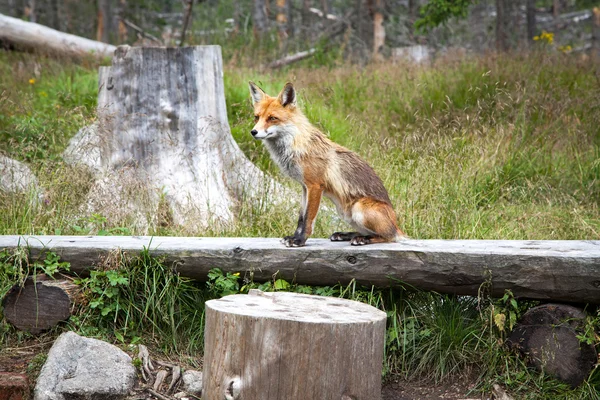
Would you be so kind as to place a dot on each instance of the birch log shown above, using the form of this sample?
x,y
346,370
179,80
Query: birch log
x,y
273,346
40,37
162,145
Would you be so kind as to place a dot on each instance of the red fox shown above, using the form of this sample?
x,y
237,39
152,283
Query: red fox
x,y
322,167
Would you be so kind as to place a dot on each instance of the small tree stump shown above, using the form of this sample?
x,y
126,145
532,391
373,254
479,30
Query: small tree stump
x,y
547,335
40,303
273,346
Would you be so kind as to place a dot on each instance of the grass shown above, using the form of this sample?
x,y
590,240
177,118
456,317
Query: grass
x,y
496,147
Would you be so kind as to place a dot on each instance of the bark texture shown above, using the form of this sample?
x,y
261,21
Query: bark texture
x,y
547,336
162,145
291,346
558,270
42,38
40,304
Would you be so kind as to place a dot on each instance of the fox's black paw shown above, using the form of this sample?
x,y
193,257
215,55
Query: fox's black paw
x,y
360,240
293,241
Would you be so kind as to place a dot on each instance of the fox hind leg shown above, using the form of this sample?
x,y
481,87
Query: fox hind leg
x,y
376,222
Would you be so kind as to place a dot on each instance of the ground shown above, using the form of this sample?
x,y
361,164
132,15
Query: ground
x,y
28,358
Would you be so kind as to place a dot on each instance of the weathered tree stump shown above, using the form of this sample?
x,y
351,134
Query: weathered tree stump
x,y
273,346
40,303
162,144
547,336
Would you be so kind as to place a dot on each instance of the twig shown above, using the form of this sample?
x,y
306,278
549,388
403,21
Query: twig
x,y
186,20
141,31
158,395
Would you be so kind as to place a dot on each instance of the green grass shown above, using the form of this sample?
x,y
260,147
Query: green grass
x,y
497,147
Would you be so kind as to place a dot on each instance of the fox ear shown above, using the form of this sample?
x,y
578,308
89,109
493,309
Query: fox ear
x,y
287,97
256,93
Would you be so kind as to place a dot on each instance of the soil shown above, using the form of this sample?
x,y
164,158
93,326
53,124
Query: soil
x,y
28,357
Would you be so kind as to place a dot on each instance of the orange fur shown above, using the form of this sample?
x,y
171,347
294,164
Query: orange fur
x,y
322,167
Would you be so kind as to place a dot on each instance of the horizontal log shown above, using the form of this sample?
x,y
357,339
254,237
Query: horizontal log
x,y
40,37
567,271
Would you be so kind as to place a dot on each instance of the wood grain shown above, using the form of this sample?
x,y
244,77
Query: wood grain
x,y
567,271
291,346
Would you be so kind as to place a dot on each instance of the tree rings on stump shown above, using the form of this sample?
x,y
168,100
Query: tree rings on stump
x,y
547,336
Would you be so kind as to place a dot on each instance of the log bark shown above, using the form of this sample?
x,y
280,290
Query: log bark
x,y
558,270
378,30
163,136
547,336
273,346
40,303
41,38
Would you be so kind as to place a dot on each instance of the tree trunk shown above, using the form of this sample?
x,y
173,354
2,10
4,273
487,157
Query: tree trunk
x,y
259,18
547,336
105,19
556,270
32,11
531,25
273,346
378,30
162,135
186,20
40,304
502,15
283,13
596,33
42,38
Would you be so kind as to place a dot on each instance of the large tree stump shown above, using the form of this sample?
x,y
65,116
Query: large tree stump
x,y
547,336
40,303
273,346
162,145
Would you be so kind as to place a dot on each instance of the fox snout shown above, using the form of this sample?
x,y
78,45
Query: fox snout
x,y
254,132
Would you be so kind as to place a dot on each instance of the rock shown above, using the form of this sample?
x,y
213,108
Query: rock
x,y
192,382
16,177
13,386
83,368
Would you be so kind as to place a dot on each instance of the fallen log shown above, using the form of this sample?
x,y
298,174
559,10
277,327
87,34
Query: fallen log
x,y
39,37
557,270
40,303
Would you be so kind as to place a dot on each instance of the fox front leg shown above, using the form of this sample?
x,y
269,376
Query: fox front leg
x,y
311,199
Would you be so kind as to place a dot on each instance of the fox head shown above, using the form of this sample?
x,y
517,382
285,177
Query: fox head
x,y
273,116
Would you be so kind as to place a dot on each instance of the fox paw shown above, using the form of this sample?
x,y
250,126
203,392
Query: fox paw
x,y
292,241
360,240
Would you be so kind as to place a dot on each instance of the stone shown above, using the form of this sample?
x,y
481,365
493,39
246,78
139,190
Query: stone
x,y
84,369
13,386
16,177
192,382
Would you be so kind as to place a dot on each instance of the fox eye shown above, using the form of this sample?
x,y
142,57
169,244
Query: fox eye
x,y
272,119
256,118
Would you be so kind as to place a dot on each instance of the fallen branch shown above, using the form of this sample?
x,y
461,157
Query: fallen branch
x,y
141,31
291,59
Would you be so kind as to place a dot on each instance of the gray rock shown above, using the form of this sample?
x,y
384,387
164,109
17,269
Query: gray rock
x,y
192,382
16,177
83,368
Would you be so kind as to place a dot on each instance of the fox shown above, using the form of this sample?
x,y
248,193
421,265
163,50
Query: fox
x,y
323,168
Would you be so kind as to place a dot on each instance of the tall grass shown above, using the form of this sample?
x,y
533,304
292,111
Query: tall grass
x,y
497,147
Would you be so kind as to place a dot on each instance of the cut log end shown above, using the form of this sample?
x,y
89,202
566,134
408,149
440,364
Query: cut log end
x,y
547,336
39,304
